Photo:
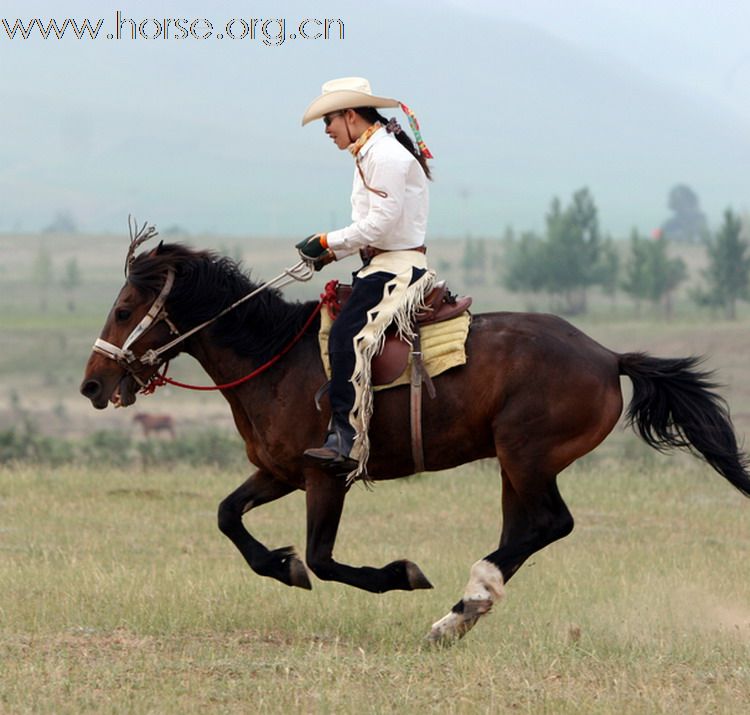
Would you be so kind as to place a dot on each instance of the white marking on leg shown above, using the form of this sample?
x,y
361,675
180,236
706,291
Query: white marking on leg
x,y
485,583
485,586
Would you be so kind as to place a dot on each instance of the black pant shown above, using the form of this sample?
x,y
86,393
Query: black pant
x,y
367,292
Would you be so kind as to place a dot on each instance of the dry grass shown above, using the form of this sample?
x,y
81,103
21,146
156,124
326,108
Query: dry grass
x,y
118,594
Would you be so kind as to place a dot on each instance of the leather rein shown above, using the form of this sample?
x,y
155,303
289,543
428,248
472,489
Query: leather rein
x,y
127,359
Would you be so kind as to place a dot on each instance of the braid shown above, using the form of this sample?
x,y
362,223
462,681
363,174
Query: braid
x,y
370,114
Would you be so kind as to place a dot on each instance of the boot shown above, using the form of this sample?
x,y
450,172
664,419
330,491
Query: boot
x,y
334,453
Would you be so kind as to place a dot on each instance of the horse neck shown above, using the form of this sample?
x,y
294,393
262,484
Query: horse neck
x,y
223,365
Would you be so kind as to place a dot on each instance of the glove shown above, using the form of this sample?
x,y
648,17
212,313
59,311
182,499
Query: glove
x,y
313,249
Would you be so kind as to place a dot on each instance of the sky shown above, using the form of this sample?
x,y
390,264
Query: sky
x,y
519,102
699,45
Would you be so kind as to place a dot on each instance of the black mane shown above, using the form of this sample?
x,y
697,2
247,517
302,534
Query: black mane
x,y
205,284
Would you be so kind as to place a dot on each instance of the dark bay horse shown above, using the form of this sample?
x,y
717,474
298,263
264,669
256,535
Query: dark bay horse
x,y
536,393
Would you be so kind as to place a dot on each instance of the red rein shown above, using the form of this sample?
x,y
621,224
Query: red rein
x,y
160,378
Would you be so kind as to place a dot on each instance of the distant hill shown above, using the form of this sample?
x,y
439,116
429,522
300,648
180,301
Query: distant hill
x,y
209,138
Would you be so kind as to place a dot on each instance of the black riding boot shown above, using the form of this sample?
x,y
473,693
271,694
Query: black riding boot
x,y
334,453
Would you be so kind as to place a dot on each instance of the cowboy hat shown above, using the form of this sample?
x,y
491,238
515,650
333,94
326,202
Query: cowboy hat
x,y
345,93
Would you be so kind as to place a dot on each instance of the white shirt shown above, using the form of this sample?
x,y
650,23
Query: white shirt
x,y
397,222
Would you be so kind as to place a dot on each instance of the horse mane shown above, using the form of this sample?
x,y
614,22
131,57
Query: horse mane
x,y
205,284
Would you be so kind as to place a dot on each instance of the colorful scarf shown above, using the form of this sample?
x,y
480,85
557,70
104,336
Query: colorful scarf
x,y
414,124
356,146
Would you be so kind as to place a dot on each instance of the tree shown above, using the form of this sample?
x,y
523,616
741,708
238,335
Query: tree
x,y
573,242
608,268
474,261
728,269
636,270
42,274
526,266
63,222
651,274
688,222
71,280
567,261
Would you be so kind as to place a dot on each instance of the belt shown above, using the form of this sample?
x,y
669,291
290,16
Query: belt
x,y
369,252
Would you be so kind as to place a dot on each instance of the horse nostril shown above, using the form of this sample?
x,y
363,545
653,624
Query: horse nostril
x,y
91,388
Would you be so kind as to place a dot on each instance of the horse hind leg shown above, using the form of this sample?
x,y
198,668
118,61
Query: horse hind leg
x,y
532,519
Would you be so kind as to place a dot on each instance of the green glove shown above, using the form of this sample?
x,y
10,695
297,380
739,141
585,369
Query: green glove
x,y
310,247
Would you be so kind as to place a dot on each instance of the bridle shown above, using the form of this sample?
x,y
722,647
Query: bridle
x,y
127,359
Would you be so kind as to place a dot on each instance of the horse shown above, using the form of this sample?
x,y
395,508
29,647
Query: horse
x,y
155,423
536,393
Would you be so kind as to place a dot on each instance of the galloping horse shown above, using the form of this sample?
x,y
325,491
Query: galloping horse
x,y
536,393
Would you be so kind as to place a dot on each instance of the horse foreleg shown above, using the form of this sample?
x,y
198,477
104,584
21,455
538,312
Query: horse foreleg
x,y
282,564
531,520
325,502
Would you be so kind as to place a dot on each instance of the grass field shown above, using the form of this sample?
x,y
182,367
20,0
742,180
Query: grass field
x,y
118,594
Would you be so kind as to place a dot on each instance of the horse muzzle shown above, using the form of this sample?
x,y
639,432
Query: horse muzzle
x,y
121,394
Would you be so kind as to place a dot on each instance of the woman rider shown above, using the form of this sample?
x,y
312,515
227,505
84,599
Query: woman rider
x,y
390,201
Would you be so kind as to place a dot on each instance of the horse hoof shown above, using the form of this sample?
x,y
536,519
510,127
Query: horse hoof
x,y
455,625
284,565
415,577
447,631
298,575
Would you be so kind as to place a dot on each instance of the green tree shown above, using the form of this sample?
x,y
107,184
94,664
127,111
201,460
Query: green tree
x,y
651,274
526,266
474,261
727,273
636,270
574,244
608,268
70,281
41,272
567,261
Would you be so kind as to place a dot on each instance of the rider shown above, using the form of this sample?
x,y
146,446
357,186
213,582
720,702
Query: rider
x,y
390,201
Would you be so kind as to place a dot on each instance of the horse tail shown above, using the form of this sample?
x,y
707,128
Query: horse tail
x,y
674,405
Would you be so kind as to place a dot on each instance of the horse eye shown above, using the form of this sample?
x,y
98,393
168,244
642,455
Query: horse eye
x,y
122,314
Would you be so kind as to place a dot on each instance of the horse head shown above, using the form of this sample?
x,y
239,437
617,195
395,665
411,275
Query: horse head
x,y
119,366
123,358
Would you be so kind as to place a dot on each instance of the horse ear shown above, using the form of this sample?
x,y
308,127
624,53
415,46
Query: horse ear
x,y
158,248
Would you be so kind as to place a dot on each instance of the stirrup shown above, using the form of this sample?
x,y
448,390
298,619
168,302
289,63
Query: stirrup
x,y
334,453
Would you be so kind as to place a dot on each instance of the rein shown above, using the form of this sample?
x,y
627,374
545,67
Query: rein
x,y
160,378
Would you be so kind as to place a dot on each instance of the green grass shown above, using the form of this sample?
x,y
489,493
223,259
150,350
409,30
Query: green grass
x,y
118,594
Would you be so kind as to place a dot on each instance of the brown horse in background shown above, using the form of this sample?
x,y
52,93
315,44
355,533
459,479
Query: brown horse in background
x,y
155,423
536,393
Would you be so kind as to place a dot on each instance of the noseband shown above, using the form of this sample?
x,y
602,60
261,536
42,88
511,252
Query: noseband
x,y
124,356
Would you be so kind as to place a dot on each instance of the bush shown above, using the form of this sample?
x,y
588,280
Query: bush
x,y
217,449
30,446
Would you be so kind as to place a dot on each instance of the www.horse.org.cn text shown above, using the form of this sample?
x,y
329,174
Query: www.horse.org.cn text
x,y
272,32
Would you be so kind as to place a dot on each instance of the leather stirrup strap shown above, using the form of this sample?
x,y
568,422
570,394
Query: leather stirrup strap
x,y
415,412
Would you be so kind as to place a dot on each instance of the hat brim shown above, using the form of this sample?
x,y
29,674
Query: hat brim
x,y
343,99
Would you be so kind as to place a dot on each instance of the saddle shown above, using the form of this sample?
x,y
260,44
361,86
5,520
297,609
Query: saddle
x,y
389,368
440,305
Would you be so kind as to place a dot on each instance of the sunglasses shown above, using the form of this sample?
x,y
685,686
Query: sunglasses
x,y
328,118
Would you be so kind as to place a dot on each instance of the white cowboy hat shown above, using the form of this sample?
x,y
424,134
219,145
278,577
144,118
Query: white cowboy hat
x,y
345,93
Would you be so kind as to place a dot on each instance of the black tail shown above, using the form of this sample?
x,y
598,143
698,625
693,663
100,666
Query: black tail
x,y
674,405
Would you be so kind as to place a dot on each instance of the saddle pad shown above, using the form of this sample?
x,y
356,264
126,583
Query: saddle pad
x,y
443,346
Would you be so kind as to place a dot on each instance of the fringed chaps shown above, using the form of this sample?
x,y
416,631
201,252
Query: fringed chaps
x,y
403,297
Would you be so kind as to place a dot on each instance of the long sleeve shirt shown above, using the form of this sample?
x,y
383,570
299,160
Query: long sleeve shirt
x,y
395,222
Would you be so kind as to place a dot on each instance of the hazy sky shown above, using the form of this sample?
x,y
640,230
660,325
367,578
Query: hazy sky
x,y
700,45
519,102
